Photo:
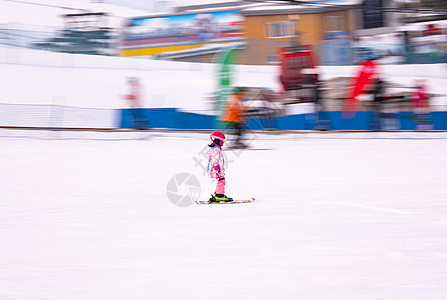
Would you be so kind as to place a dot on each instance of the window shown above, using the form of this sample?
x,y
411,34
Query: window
x,y
280,29
334,24
272,60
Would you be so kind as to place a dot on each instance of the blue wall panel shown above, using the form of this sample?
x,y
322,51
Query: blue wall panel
x,y
172,118
439,120
194,121
406,121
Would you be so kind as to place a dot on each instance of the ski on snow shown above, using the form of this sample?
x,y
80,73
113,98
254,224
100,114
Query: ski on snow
x,y
235,201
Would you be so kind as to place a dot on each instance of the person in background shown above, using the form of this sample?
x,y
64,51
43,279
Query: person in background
x,y
378,92
421,106
322,116
233,116
267,97
134,101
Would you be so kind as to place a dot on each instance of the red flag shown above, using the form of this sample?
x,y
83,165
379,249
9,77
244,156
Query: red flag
x,y
365,75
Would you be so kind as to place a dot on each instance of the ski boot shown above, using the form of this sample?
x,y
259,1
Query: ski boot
x,y
220,198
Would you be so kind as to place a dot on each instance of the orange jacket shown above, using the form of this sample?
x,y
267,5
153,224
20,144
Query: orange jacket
x,y
233,110
134,95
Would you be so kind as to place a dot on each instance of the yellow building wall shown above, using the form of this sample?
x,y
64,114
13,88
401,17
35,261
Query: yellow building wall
x,y
156,50
311,26
160,50
256,26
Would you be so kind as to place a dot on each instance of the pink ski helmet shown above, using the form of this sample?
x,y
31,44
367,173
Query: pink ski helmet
x,y
218,138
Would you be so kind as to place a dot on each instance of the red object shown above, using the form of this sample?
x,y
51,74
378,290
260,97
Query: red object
x,y
431,30
219,136
292,63
364,77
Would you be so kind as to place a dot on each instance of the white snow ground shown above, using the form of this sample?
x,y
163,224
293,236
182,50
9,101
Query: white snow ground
x,y
340,216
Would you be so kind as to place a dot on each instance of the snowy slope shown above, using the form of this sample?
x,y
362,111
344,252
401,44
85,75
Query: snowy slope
x,y
337,216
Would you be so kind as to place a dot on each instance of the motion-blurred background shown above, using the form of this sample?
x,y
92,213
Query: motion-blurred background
x,y
304,65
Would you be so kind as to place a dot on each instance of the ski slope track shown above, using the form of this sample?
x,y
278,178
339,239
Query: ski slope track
x,y
338,216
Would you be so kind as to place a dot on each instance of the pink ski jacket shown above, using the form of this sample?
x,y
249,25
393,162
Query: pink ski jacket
x,y
216,168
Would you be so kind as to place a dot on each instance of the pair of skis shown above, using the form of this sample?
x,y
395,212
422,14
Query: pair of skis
x,y
234,201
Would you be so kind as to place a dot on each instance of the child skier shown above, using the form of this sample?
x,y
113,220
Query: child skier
x,y
216,169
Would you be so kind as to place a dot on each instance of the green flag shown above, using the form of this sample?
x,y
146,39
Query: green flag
x,y
225,61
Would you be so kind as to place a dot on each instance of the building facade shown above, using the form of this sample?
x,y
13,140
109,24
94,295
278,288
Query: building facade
x,y
266,29
197,33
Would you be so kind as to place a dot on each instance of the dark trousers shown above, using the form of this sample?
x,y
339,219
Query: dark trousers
x,y
139,118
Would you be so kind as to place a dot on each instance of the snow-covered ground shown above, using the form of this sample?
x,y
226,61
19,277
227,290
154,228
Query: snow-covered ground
x,y
340,216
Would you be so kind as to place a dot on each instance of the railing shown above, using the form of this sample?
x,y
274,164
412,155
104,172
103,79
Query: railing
x,y
56,116
342,53
312,118
81,42
329,52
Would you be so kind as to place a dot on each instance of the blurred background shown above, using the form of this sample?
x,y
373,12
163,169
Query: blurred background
x,y
303,65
